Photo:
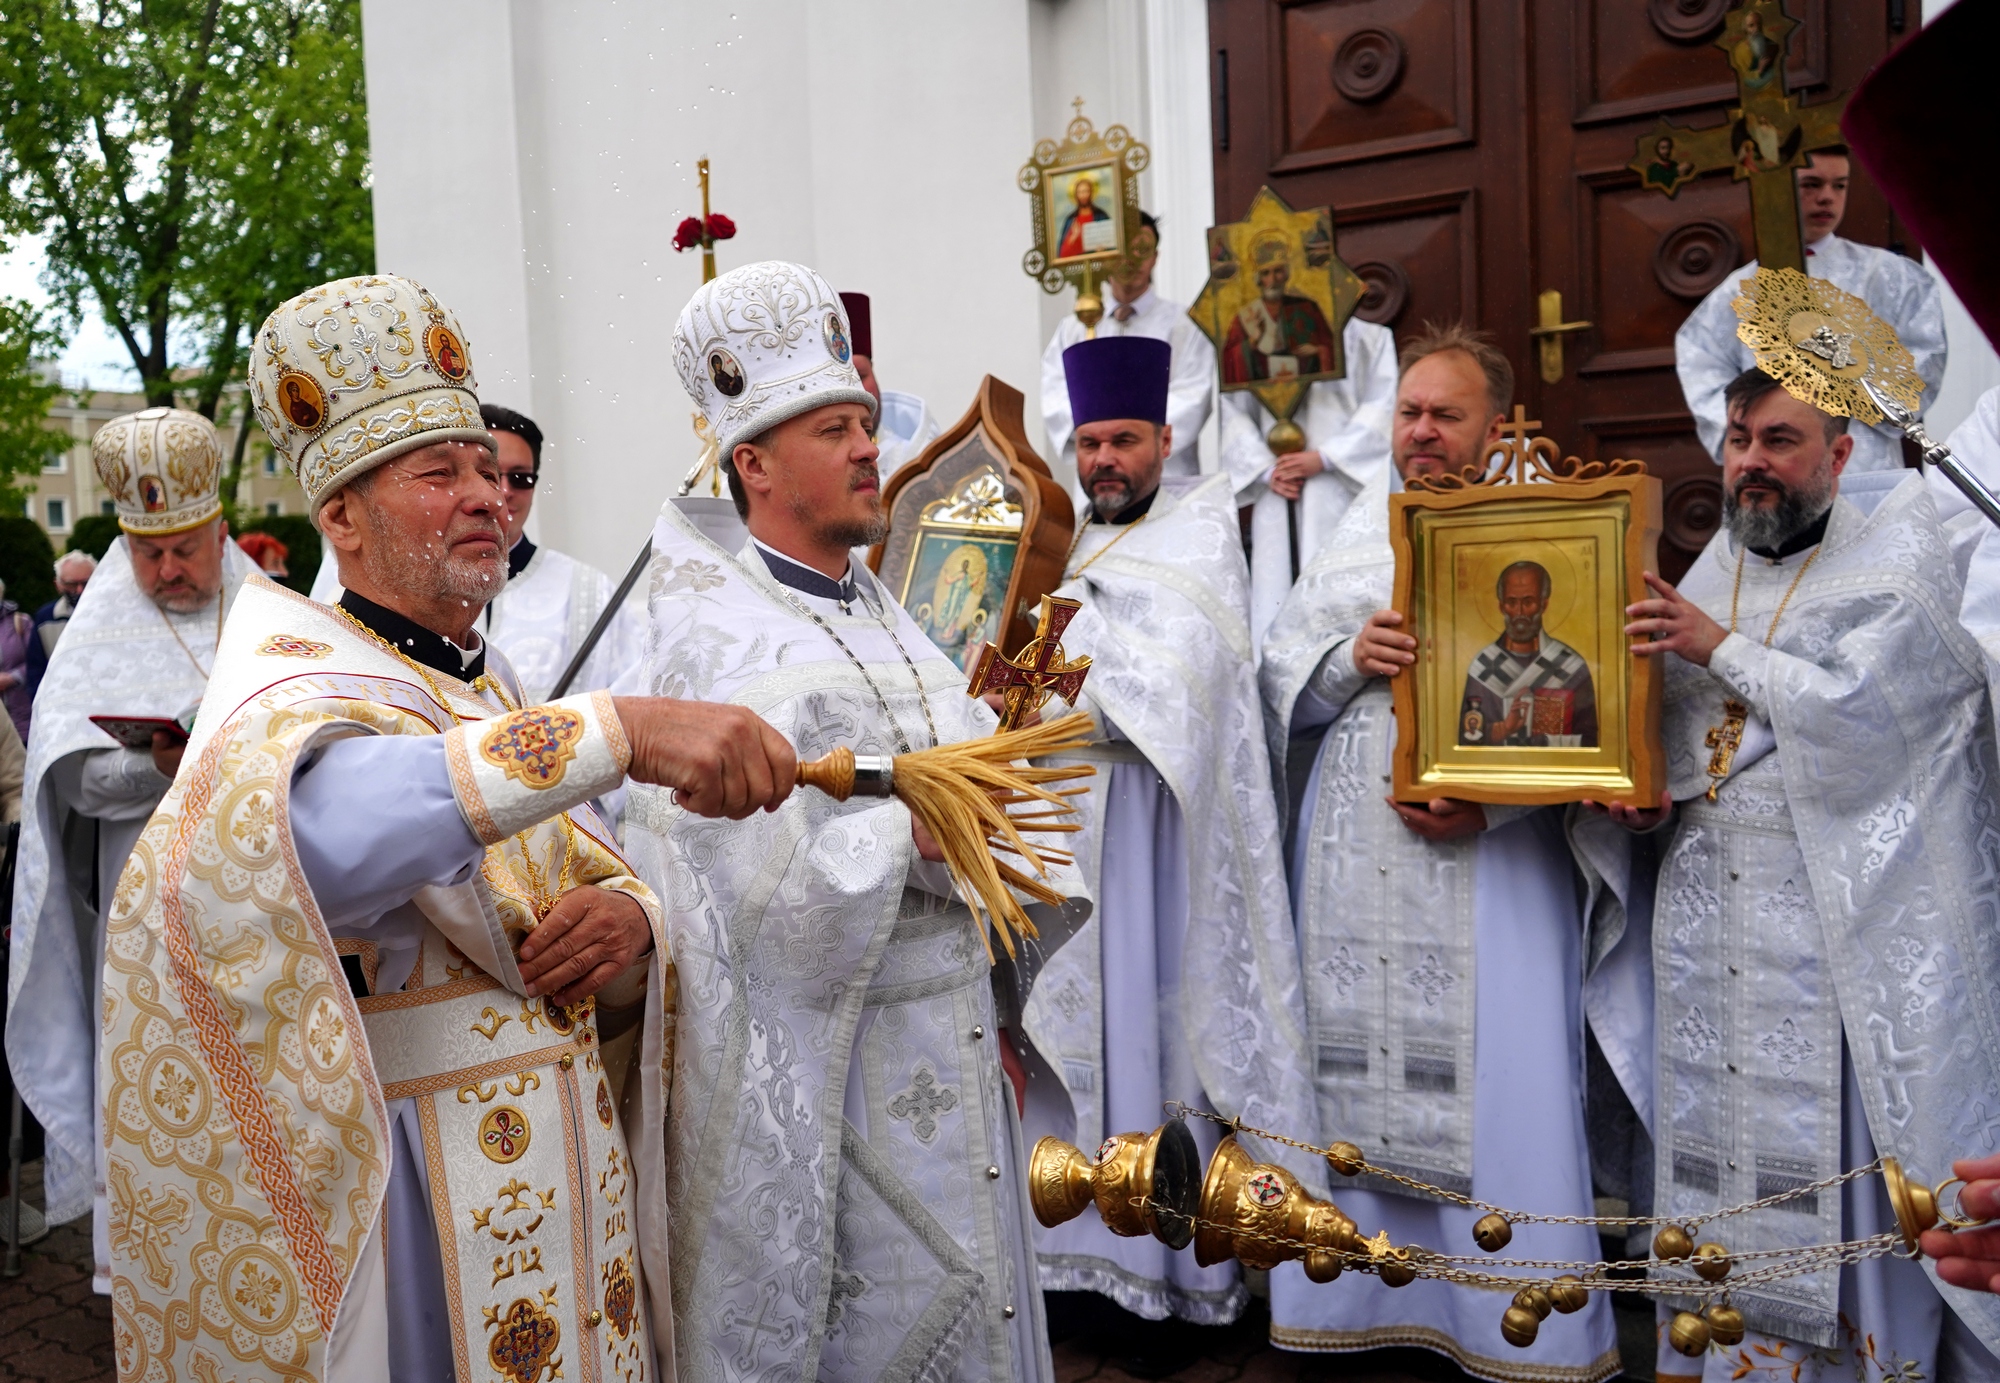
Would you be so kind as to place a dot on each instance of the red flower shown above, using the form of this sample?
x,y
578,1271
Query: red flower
x,y
687,235
720,227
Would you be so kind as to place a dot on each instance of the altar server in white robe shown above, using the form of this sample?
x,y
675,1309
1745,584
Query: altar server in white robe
x,y
1185,985
550,601
1136,308
1708,353
846,1192
903,422
1826,961
1442,942
141,643
360,1124
1346,422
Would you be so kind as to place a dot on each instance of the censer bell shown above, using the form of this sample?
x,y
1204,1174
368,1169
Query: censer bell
x,y
1140,1183
1259,1215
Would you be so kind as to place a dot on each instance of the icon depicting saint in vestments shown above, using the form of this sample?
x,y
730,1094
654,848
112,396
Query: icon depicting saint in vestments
x,y
1526,689
1280,334
1076,238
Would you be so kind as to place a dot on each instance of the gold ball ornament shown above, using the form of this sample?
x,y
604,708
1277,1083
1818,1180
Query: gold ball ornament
x,y
1567,1294
1672,1243
1520,1326
1346,1159
1536,1300
1285,436
1711,1262
1725,1324
1493,1232
1322,1265
1688,1334
1397,1271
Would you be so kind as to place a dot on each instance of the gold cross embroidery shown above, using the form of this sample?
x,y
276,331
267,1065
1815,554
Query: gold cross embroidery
x,y
1725,739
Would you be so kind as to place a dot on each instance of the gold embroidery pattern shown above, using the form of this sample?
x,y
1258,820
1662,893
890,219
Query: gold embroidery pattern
x,y
621,1294
534,746
604,1111
292,646
525,1339
504,1135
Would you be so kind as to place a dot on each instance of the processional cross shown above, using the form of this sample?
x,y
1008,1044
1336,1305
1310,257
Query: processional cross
x,y
1768,134
1039,671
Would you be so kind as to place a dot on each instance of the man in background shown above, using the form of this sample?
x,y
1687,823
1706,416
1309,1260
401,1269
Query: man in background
x,y
73,571
1137,309
903,422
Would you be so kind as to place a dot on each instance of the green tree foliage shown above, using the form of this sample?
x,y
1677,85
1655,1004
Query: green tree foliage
x,y
27,562
26,391
191,163
94,534
302,545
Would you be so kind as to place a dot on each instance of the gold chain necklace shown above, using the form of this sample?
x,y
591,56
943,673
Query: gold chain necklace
x,y
1077,542
484,682
1725,739
220,601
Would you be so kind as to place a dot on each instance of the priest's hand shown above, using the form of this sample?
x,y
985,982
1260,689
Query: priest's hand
x,y
1293,470
1634,818
167,754
1442,819
1970,1258
1673,624
926,843
588,939
719,760
998,702
1379,649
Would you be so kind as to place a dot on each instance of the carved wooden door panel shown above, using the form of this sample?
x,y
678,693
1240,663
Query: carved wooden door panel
x,y
1474,153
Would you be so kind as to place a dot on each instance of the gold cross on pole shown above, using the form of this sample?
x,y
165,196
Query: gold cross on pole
x,y
1768,134
1039,671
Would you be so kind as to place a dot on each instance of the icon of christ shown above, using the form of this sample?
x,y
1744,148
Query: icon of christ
x,y
1526,688
1075,239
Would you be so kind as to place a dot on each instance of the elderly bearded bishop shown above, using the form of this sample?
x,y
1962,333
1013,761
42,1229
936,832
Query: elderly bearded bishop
x,y
1185,984
350,1135
845,1191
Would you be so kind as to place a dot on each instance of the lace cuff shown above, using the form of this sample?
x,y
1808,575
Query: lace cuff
x,y
515,770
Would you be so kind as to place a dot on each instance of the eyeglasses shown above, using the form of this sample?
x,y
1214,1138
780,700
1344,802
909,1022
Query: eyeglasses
x,y
520,480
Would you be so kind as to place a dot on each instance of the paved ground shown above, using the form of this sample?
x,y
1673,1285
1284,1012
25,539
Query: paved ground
x,y
53,1329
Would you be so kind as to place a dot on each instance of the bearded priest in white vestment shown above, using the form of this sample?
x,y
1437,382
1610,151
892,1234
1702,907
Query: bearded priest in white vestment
x,y
550,601
145,632
360,1123
846,1192
1185,985
1443,944
1346,422
1825,950
903,422
1708,353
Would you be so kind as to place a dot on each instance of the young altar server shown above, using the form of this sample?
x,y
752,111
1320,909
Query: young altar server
x,y
1827,973
360,968
903,422
1708,353
846,1188
1442,941
1185,986
141,643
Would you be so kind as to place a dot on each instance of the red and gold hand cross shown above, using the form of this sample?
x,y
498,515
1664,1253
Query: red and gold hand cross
x,y
1040,670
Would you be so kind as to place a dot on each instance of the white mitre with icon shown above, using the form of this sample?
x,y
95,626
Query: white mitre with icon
x,y
162,468
357,371
763,344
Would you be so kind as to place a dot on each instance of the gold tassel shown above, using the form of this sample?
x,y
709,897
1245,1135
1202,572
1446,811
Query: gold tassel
x,y
962,793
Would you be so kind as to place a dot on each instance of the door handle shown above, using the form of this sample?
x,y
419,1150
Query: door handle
x,y
1549,333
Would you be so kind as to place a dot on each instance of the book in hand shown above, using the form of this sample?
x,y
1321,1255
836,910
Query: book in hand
x,y
136,732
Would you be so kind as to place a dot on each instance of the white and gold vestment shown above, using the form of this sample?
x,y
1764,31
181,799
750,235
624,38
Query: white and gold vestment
x,y
277,1021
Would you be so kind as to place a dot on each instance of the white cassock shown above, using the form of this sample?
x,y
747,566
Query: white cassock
x,y
903,428
1185,984
1444,997
1190,380
1347,421
84,803
1976,442
1824,946
1708,354
541,617
847,1189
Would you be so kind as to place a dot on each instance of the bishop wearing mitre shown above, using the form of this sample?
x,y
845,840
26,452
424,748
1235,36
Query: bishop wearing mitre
x,y
1185,984
366,1093
845,1193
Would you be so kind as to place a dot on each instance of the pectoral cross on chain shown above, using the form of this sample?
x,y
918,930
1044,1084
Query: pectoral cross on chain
x,y
1725,739
1038,672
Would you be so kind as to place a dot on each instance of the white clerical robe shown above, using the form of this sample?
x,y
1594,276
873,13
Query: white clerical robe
x,y
1347,421
541,617
1443,997
1708,354
85,802
1824,931
1190,382
903,429
314,1022
1185,984
847,1192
